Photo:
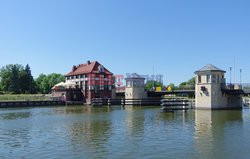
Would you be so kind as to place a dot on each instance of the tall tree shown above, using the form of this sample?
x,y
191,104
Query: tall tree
x,y
14,80
26,80
17,79
5,74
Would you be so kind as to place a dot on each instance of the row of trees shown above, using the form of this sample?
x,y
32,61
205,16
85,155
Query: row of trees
x,y
46,82
188,85
15,78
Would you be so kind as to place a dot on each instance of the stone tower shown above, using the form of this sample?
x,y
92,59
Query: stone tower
x,y
211,91
135,87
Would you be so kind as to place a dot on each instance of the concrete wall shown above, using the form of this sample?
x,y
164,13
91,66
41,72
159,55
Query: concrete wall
x,y
219,100
203,100
135,93
234,101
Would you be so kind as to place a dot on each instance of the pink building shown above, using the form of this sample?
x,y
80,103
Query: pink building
x,y
92,79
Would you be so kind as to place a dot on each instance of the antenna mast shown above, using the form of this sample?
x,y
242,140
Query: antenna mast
x,y
234,71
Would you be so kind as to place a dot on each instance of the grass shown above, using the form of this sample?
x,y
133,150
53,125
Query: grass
x,y
24,97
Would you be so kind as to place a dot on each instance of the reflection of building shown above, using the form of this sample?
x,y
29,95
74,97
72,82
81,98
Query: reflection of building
x,y
92,80
211,91
206,121
213,127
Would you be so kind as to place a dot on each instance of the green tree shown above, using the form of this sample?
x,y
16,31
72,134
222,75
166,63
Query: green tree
x,y
173,87
27,84
45,83
190,84
1,89
9,75
39,81
150,84
16,79
5,74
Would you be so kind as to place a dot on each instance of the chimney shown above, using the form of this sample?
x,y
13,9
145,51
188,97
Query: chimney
x,y
73,68
88,62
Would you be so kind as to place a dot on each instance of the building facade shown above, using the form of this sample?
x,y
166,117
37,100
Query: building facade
x,y
93,79
135,87
212,92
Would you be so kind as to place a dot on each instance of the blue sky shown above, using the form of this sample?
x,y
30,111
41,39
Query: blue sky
x,y
176,37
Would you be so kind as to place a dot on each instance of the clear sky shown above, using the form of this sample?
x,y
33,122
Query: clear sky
x,y
177,37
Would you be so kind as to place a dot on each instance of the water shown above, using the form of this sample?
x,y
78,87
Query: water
x,y
86,132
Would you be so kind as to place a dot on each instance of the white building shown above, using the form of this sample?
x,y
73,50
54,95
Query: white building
x,y
135,87
212,92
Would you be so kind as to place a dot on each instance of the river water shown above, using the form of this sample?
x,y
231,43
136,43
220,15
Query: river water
x,y
116,132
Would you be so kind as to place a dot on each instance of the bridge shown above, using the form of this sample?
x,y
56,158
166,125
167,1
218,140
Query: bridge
x,y
190,92
244,91
174,92
162,93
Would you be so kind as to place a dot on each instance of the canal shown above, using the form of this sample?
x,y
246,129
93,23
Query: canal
x,y
87,132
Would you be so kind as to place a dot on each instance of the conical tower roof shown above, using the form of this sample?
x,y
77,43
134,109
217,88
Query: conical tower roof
x,y
209,68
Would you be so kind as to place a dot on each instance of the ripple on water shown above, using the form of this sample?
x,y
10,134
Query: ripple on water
x,y
85,132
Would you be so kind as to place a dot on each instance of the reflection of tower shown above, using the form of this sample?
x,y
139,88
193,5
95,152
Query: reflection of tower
x,y
203,123
203,133
211,129
134,120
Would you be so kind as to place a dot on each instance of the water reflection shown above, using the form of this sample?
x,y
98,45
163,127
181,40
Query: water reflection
x,y
81,110
90,131
15,115
134,121
90,136
130,132
206,120
211,128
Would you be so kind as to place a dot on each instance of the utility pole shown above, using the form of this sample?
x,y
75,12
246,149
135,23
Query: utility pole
x,y
234,71
240,76
153,78
230,75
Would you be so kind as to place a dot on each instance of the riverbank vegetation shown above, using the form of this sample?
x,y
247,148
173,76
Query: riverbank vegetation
x,y
18,79
24,97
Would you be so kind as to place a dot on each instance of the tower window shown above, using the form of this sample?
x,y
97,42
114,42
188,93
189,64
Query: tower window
x,y
199,79
208,79
214,78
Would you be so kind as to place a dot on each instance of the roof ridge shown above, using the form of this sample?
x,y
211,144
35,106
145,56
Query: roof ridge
x,y
87,68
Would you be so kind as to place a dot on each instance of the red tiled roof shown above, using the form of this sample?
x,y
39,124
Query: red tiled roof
x,y
92,67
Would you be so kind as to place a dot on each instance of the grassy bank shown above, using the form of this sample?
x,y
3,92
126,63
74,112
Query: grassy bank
x,y
24,97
